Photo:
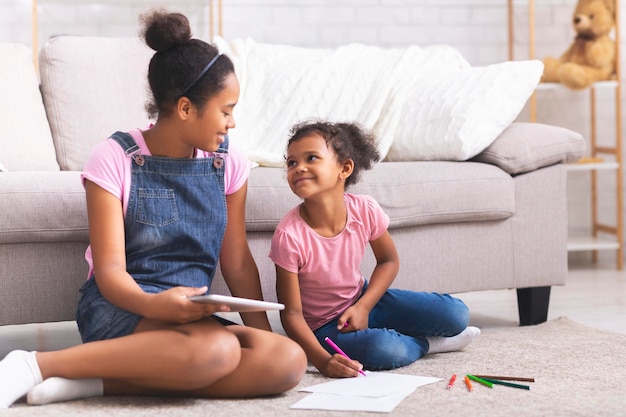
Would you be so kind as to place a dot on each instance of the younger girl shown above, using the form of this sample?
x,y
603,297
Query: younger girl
x,y
165,204
318,248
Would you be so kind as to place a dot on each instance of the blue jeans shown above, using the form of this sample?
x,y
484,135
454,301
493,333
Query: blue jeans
x,y
398,327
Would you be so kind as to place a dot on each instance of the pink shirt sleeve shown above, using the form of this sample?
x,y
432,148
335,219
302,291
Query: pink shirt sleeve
x,y
285,250
109,168
379,221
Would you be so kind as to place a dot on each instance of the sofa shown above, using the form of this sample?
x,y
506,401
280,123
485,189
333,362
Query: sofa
x,y
497,220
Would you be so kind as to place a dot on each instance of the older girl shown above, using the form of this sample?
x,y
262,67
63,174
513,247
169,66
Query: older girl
x,y
165,204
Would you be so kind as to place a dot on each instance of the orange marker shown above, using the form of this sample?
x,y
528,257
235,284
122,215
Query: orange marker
x,y
468,383
452,381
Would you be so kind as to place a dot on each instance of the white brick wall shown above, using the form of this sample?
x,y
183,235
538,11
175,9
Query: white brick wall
x,y
478,28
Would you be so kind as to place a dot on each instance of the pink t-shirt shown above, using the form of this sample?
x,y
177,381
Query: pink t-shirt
x,y
329,269
110,168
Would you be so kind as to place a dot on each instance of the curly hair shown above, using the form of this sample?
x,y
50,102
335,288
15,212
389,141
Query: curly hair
x,y
348,141
178,60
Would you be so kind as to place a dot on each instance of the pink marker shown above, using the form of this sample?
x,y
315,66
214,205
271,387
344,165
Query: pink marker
x,y
339,351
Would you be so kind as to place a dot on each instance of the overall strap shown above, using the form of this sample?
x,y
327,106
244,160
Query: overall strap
x,y
223,149
126,141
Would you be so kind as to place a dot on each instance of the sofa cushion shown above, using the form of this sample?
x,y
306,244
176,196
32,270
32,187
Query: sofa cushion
x,y
411,193
525,147
25,139
92,86
42,207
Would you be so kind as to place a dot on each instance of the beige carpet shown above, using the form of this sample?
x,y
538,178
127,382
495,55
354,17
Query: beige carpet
x,y
580,371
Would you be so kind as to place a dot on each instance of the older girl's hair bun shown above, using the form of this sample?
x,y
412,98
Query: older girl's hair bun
x,y
163,30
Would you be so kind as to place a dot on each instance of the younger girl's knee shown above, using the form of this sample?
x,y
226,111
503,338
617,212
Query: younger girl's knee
x,y
384,349
458,316
392,356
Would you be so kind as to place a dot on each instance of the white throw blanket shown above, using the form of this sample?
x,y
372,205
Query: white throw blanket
x,y
282,85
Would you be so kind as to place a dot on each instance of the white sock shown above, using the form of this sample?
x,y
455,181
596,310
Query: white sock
x,y
451,344
61,389
19,372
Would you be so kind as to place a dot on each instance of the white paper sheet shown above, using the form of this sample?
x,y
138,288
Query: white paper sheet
x,y
378,392
320,401
376,384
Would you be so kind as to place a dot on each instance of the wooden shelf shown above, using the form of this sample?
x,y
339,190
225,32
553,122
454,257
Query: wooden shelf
x,y
603,236
588,166
597,85
586,243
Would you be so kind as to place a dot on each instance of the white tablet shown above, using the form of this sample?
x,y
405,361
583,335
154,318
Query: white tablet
x,y
236,303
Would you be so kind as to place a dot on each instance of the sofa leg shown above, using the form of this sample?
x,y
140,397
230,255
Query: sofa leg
x,y
532,304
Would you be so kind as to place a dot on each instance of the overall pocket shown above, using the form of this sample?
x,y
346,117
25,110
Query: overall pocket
x,y
156,207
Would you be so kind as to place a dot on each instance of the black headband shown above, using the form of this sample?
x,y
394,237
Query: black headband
x,y
204,70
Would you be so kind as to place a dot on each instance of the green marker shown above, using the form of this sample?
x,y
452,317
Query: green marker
x,y
480,381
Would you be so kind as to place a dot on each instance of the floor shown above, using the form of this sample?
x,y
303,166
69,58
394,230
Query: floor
x,y
595,295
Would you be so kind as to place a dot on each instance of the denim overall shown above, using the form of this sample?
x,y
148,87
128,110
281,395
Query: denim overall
x,y
174,228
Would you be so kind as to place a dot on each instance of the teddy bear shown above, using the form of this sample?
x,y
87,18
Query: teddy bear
x,y
591,57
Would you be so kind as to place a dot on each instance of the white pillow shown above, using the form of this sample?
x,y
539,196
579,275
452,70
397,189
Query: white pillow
x,y
282,85
2,168
456,115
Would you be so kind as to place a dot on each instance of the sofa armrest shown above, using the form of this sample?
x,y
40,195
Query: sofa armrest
x,y
525,147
